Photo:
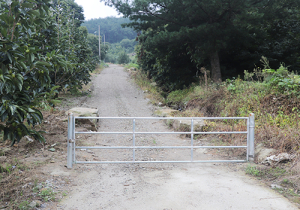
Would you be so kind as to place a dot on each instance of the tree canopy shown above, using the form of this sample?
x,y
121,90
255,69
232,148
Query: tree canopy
x,y
203,32
42,51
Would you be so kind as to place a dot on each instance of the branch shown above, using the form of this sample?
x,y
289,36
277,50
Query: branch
x,y
202,9
165,19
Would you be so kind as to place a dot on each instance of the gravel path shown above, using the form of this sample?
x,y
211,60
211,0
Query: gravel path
x,y
153,186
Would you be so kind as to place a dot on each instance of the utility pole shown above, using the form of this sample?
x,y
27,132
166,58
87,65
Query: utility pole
x,y
99,45
104,46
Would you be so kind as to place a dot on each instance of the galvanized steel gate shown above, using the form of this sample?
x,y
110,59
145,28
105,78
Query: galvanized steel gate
x,y
71,158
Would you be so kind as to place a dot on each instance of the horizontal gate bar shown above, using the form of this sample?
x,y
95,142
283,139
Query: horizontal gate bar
x,y
229,132
166,118
71,139
195,161
157,147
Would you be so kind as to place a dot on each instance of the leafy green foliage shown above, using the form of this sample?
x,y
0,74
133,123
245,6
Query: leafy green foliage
x,y
132,65
128,45
282,81
179,37
178,98
47,194
123,57
267,173
24,205
93,42
252,170
24,74
117,49
38,57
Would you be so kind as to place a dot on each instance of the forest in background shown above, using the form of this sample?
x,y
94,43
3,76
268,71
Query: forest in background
x,y
226,37
119,41
111,28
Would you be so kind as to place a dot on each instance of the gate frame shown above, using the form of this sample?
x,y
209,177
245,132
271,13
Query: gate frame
x,y
71,139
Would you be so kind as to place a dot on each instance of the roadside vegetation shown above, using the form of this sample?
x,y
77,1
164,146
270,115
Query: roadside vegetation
x,y
273,95
44,50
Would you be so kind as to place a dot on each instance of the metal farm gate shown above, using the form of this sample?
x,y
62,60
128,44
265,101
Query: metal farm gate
x,y
71,157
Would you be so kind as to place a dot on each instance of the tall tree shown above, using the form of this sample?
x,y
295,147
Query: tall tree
x,y
41,49
204,26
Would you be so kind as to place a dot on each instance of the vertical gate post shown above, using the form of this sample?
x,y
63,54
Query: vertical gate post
x,y
133,140
192,139
251,135
69,141
73,139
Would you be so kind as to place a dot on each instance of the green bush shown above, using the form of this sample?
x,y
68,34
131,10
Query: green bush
x,y
282,81
110,58
132,65
179,97
38,58
123,58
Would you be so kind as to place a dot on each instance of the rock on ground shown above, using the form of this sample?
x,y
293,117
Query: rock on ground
x,y
86,112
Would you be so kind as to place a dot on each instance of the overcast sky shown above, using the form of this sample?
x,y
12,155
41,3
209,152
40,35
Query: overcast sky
x,y
96,9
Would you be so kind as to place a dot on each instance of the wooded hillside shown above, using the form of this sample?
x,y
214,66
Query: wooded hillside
x,y
111,27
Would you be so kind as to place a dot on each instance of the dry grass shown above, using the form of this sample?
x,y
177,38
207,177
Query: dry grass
x,y
277,119
99,69
207,101
153,93
20,172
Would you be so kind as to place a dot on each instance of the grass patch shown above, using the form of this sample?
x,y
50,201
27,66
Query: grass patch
x,y
24,205
252,170
273,95
277,110
131,65
100,68
266,172
47,194
179,98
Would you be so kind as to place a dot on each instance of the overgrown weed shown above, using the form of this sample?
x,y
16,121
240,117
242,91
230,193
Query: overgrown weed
x,y
152,91
47,194
131,65
24,205
277,110
100,68
273,95
268,173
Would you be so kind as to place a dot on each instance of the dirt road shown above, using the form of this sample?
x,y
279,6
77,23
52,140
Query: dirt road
x,y
153,186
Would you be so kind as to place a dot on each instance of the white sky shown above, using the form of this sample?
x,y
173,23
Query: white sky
x,y
96,9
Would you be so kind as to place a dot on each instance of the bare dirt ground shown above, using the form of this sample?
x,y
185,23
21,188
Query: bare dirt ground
x,y
151,186
34,168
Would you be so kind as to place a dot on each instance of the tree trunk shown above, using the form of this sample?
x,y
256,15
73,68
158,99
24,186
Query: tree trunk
x,y
215,67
